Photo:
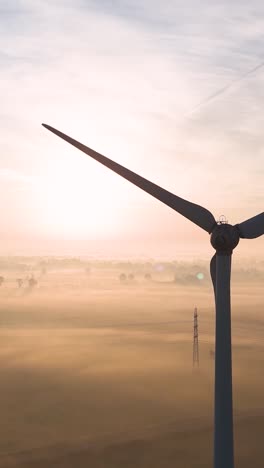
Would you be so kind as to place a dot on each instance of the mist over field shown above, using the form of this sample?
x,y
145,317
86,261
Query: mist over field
x,y
96,363
96,332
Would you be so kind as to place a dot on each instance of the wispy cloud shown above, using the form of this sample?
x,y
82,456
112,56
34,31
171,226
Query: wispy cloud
x,y
123,79
11,175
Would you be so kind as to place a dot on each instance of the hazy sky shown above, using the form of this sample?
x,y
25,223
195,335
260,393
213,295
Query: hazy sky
x,y
125,78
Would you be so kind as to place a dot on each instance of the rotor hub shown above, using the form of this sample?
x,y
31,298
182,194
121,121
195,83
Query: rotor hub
x,y
224,238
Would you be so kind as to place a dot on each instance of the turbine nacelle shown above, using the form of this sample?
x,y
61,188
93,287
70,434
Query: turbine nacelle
x,y
224,238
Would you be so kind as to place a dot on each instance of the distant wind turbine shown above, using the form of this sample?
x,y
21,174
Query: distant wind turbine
x,y
224,238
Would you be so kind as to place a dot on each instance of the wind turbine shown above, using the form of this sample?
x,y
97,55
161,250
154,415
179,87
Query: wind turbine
x,y
224,238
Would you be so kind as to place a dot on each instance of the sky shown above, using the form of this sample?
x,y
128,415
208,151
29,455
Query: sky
x,y
172,90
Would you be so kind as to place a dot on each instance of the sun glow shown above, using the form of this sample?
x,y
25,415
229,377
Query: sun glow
x,y
80,200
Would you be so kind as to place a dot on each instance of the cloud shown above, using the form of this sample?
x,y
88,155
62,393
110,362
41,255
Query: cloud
x,y
123,80
12,175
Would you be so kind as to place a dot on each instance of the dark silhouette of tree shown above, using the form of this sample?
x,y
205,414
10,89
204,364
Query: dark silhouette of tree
x,y
19,282
32,282
122,277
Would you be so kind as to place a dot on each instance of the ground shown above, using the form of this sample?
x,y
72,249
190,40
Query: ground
x,y
95,372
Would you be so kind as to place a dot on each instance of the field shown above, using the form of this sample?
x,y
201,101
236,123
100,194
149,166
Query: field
x,y
97,372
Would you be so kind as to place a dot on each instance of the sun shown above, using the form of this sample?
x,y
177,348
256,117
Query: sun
x,y
79,200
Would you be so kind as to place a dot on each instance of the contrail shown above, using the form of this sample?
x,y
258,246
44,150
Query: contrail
x,y
224,89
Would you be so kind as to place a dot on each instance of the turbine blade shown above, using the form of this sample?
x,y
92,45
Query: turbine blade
x,y
252,228
213,273
195,213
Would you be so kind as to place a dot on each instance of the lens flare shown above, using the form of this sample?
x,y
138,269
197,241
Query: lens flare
x,y
200,276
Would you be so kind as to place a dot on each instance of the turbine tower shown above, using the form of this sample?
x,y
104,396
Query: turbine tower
x,y
195,339
224,239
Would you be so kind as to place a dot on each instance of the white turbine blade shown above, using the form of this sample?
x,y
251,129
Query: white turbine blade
x,y
252,228
195,213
